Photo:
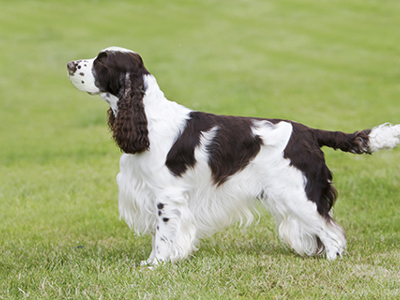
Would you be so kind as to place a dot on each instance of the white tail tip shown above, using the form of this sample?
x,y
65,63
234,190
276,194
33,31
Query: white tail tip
x,y
385,136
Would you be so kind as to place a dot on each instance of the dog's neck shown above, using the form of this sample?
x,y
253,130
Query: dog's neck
x,y
164,117
111,100
158,108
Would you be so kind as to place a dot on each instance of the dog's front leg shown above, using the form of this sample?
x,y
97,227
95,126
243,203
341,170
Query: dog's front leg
x,y
175,230
150,260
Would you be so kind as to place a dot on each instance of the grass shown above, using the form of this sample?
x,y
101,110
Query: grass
x,y
328,64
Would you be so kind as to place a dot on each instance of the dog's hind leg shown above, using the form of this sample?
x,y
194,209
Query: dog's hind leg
x,y
299,223
303,229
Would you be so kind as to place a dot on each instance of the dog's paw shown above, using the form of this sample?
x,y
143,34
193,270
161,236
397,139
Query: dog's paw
x,y
144,263
334,252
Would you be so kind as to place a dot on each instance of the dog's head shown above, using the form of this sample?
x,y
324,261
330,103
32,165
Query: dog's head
x,y
117,74
107,72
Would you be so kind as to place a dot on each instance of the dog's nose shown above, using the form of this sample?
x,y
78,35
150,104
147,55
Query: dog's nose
x,y
71,67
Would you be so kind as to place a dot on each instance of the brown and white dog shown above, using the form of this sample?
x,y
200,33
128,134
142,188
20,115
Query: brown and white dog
x,y
185,174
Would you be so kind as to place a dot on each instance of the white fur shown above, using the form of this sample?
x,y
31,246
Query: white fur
x,y
385,136
117,49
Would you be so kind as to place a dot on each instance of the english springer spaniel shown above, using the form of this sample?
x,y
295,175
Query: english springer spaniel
x,y
185,174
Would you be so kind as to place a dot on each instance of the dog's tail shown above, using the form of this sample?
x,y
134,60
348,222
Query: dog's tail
x,y
385,136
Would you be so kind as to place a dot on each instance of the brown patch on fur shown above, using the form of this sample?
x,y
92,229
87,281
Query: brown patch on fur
x,y
230,151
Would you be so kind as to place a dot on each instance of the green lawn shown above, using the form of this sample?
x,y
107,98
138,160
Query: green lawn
x,y
329,64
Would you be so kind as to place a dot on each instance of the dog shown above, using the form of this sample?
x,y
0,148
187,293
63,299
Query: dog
x,y
186,174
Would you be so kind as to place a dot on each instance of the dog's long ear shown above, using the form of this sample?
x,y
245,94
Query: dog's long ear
x,y
129,126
